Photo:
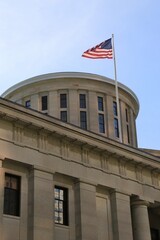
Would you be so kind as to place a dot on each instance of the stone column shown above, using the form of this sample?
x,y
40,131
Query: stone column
x,y
140,220
121,216
86,221
40,219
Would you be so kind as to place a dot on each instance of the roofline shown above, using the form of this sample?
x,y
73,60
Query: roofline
x,y
69,75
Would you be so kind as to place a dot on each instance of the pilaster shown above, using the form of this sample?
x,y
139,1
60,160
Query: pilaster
x,y
73,107
86,222
121,216
40,225
93,112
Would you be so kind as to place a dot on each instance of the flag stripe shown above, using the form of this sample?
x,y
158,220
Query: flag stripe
x,y
102,50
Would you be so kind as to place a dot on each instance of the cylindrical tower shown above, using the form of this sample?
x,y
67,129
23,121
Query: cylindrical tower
x,y
83,99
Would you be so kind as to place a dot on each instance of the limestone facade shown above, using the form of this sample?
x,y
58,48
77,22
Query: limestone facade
x,y
86,96
108,189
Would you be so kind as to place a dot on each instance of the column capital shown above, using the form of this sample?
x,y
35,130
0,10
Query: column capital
x,y
138,201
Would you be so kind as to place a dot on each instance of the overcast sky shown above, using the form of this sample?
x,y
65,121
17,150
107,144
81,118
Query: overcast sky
x,y
44,36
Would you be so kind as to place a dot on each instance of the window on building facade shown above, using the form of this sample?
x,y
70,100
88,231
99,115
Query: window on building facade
x,y
44,103
101,123
101,115
12,195
82,100
128,134
63,100
116,123
100,103
61,205
127,125
115,109
63,116
116,128
28,104
126,110
83,119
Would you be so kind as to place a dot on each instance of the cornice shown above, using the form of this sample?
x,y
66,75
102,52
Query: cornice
x,y
48,125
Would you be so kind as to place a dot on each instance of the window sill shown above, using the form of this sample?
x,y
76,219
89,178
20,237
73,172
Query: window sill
x,y
11,216
61,226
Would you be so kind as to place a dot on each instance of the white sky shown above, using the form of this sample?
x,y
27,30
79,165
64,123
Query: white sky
x,y
39,37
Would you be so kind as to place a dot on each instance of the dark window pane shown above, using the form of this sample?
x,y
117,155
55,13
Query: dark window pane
x,y
115,108
82,100
100,103
101,123
116,128
44,103
64,116
83,120
128,134
61,205
126,115
12,195
28,104
63,100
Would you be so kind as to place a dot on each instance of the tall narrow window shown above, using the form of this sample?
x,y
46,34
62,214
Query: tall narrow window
x,y
115,109
28,104
128,134
82,100
12,195
64,116
116,123
116,128
100,103
101,123
126,115
61,205
63,100
44,100
83,120
127,125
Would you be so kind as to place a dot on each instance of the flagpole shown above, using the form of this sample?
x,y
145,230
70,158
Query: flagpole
x,y
116,90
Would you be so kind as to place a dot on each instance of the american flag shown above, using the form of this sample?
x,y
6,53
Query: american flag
x,y
102,50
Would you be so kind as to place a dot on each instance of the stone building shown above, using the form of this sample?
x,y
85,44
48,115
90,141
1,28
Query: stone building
x,y
64,174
